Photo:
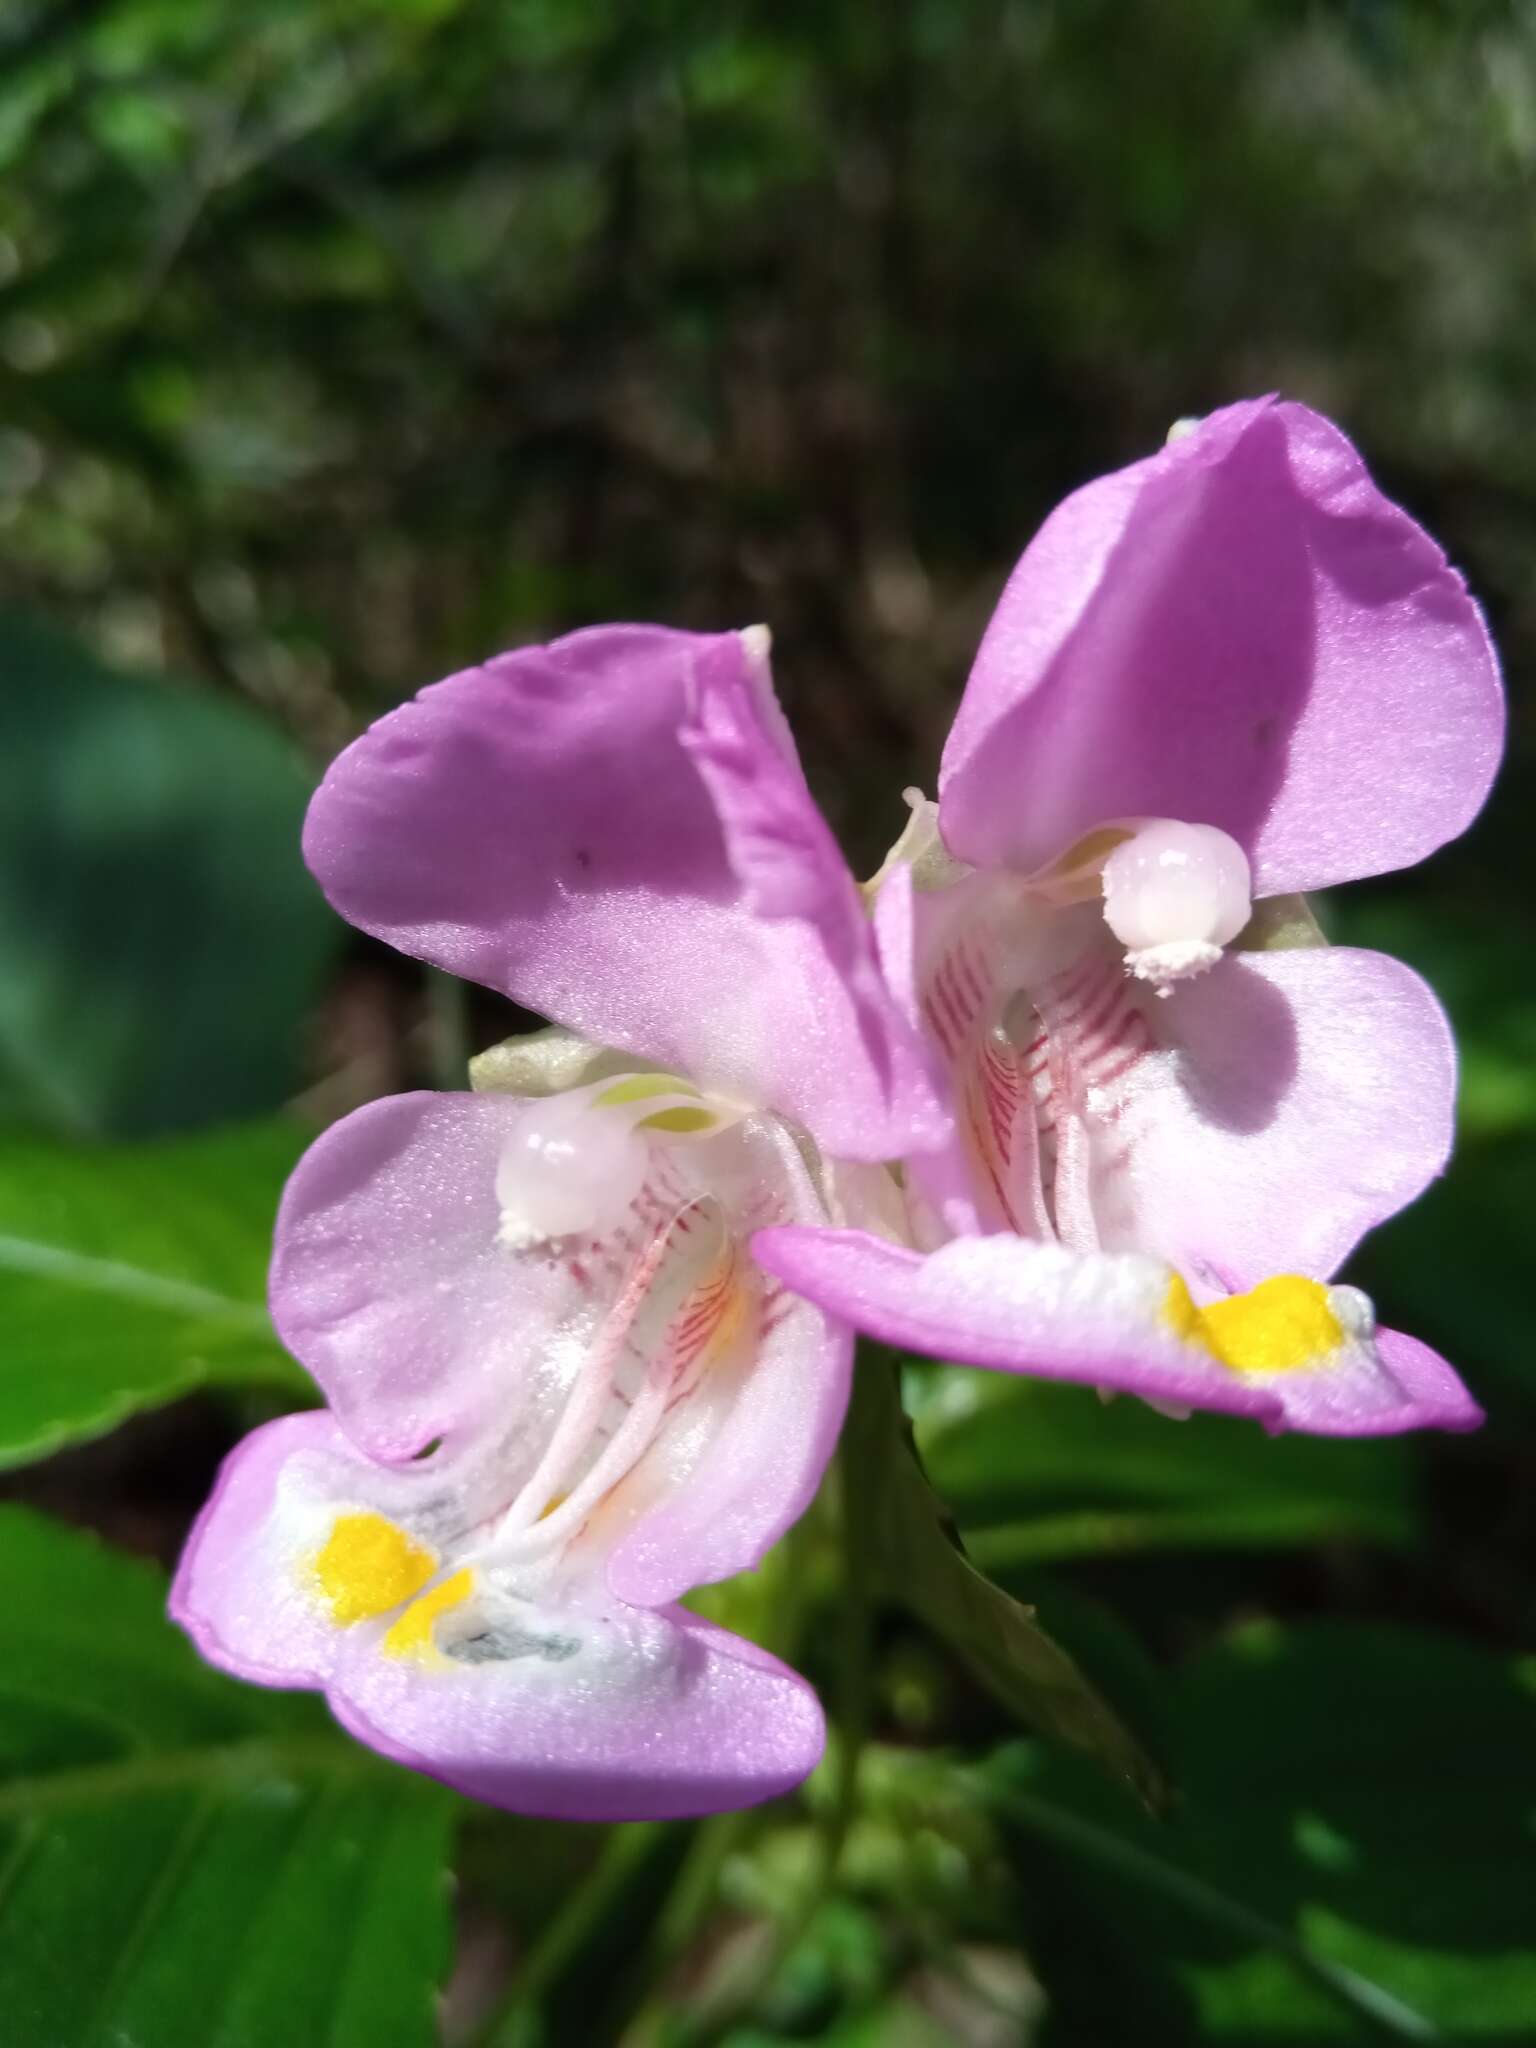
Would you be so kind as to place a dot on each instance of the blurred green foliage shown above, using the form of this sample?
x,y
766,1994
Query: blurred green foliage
x,y
342,341
163,945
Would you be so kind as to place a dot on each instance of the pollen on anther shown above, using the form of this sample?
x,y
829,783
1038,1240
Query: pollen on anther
x,y
1174,896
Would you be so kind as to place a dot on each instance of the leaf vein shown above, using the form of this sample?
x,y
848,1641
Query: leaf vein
x,y
93,1275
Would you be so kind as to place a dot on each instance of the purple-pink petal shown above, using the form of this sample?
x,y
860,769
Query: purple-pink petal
x,y
674,1718
1296,1100
388,1281
1239,631
1096,1319
239,1590
758,1472
598,1712
612,831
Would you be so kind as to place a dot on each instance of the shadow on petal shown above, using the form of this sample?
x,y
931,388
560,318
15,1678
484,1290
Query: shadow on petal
x,y
1234,1038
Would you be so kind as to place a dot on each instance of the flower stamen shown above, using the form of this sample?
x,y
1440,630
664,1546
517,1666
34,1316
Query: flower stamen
x,y
1174,896
580,1158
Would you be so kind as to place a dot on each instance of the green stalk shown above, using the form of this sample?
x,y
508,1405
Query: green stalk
x,y
857,1483
516,2023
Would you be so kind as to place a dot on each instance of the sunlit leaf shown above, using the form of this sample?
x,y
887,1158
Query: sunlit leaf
x,y
132,1274
185,1862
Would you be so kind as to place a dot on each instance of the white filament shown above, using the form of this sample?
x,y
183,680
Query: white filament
x,y
1174,896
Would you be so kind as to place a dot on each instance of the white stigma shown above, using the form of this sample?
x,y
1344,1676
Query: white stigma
x,y
1174,896
578,1160
569,1169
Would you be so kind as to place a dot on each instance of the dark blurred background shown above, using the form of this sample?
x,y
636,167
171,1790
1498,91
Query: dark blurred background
x,y
344,342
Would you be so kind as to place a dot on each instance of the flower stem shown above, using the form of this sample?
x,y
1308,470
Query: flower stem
x,y
856,1524
517,2022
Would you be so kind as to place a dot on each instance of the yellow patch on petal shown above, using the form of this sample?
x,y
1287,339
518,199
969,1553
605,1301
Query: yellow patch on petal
x,y
411,1635
1179,1312
368,1565
1282,1325
1089,851
678,1119
733,1320
640,1088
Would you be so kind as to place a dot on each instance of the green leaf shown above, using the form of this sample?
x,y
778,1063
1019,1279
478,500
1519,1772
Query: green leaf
x,y
185,1862
917,1560
134,1274
162,942
1036,1472
1350,1861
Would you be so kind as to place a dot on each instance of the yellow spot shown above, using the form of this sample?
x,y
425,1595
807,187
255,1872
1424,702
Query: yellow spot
x,y
732,1321
640,1088
1092,850
369,1565
1179,1312
1282,1324
411,1635
678,1120
556,1500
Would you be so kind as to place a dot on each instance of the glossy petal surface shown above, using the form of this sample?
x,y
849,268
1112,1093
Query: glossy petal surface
x,y
566,1704
1290,1102
1227,633
651,1716
613,830
1103,1320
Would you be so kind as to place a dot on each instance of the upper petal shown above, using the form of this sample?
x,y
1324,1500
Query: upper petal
x,y
613,830
1224,633
1117,1321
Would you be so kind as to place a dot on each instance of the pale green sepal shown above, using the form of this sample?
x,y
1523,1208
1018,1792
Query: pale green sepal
x,y
1278,924
546,1063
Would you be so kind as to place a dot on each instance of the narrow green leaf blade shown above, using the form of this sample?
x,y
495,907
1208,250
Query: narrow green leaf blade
x,y
184,1862
919,1562
1350,1861
133,1274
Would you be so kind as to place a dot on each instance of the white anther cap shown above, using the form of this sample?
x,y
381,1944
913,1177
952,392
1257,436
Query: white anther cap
x,y
569,1170
1174,896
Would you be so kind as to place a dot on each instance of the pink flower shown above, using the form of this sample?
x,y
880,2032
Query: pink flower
x,y
561,1392
1227,674
567,1377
